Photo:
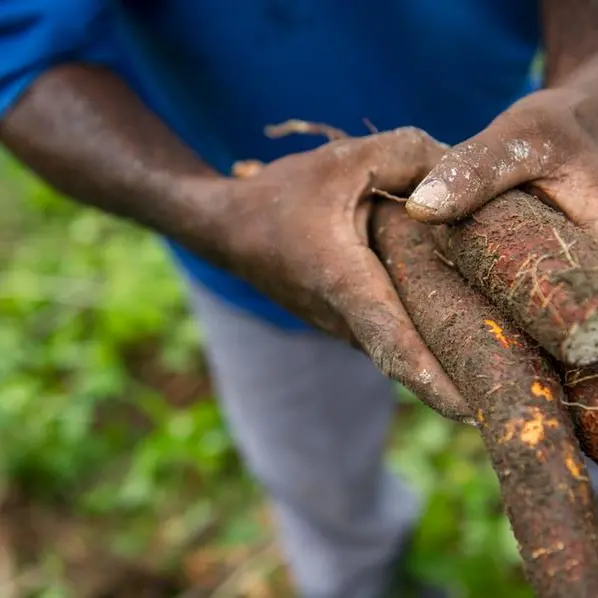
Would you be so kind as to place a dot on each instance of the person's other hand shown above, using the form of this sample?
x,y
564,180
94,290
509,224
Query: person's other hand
x,y
298,231
546,142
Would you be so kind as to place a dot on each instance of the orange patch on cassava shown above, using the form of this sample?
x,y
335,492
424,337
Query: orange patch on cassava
x,y
499,334
539,552
574,468
572,465
480,417
400,270
530,431
541,390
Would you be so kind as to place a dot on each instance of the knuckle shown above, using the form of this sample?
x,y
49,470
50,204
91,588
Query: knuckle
x,y
346,158
388,358
528,156
479,166
409,148
411,141
413,134
333,287
421,140
530,136
532,121
463,169
338,149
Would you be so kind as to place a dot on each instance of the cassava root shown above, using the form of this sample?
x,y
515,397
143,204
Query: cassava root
x,y
518,403
541,270
537,267
581,386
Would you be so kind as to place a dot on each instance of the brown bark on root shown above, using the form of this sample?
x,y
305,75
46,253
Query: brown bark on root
x,y
537,267
518,403
581,385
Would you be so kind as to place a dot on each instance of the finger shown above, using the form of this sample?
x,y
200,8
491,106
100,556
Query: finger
x,y
476,171
396,160
363,294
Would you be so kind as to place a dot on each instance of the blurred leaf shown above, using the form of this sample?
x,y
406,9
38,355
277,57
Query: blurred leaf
x,y
78,289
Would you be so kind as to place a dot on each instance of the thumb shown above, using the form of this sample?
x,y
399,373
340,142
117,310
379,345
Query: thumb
x,y
365,297
476,171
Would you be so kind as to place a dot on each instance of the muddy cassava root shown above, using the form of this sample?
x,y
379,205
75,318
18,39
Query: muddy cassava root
x,y
537,266
518,403
541,270
581,386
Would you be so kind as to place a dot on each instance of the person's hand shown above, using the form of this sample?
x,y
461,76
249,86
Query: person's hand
x,y
546,142
299,233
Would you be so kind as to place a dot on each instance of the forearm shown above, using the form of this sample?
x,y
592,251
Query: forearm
x,y
570,39
83,131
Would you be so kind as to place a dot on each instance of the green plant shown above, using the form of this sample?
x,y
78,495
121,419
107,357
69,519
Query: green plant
x,y
77,290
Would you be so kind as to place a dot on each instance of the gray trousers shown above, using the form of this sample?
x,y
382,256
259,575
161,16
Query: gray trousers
x,y
310,416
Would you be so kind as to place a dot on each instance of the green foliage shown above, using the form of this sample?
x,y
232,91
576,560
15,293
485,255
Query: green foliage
x,y
78,289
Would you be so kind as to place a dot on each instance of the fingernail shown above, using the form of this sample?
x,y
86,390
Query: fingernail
x,y
430,194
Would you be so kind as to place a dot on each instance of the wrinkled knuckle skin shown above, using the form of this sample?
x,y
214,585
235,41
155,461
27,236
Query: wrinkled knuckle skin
x,y
412,133
537,126
332,289
389,360
472,162
336,146
344,160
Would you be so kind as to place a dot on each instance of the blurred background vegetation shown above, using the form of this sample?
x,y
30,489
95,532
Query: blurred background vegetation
x,y
118,475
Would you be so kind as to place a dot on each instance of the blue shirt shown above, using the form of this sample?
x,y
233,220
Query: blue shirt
x,y
218,71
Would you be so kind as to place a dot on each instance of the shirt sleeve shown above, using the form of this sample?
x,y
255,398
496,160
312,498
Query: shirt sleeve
x,y
36,35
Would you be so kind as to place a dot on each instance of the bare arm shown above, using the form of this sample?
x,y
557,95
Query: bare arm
x,y
296,231
82,130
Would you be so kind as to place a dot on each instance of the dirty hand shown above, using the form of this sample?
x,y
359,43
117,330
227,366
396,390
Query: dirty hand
x,y
299,233
547,142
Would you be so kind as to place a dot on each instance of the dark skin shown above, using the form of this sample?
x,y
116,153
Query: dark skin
x,y
547,142
297,230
